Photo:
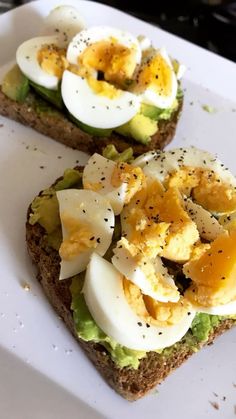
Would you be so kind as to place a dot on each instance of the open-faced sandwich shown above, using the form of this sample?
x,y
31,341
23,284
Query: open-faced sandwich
x,y
139,259
88,88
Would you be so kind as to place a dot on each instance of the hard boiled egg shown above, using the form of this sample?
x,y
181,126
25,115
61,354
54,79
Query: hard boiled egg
x,y
101,103
87,221
106,49
97,103
160,164
65,22
118,182
228,309
156,80
104,296
208,226
42,60
149,275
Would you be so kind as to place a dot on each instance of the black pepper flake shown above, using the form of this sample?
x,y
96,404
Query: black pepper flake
x,y
92,238
220,251
147,325
103,178
84,211
139,324
189,313
160,333
106,220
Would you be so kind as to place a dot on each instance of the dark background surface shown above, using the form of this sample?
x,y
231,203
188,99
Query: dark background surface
x,y
209,23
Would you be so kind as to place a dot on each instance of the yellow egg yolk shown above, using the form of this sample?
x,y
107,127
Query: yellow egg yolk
x,y
132,176
228,221
80,238
103,88
214,273
156,74
151,311
116,61
52,59
206,187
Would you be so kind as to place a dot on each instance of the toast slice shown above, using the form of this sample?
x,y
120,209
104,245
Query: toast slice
x,y
57,126
128,382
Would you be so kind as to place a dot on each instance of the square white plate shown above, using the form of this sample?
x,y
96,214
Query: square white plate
x,y
44,374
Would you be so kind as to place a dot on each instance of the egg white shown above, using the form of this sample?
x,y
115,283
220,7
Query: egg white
x,y
126,264
26,58
65,22
159,164
92,209
151,97
94,109
99,170
228,309
208,226
104,296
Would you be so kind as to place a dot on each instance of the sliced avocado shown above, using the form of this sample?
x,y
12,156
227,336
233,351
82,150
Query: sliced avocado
x,y
140,128
156,114
110,152
150,111
15,85
98,132
52,96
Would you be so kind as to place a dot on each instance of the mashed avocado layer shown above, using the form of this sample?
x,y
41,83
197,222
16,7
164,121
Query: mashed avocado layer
x,y
45,211
87,329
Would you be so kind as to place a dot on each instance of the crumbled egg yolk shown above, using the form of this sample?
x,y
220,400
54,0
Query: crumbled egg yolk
x,y
206,187
209,190
116,61
52,59
167,314
80,238
160,225
132,176
152,311
183,231
213,273
156,280
156,73
228,221
147,236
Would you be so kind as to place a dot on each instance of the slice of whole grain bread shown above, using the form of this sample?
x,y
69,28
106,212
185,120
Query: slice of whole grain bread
x,y
128,382
57,126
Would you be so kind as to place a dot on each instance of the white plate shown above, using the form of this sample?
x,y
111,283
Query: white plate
x,y
37,352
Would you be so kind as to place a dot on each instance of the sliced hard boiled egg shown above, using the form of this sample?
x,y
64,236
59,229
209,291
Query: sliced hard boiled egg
x,y
228,309
208,226
65,22
106,49
105,298
162,164
42,60
156,80
118,182
87,225
150,276
97,103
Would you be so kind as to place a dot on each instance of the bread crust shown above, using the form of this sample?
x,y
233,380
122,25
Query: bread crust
x,y
60,128
128,382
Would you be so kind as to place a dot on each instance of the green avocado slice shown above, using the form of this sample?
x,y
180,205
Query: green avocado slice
x,y
15,85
